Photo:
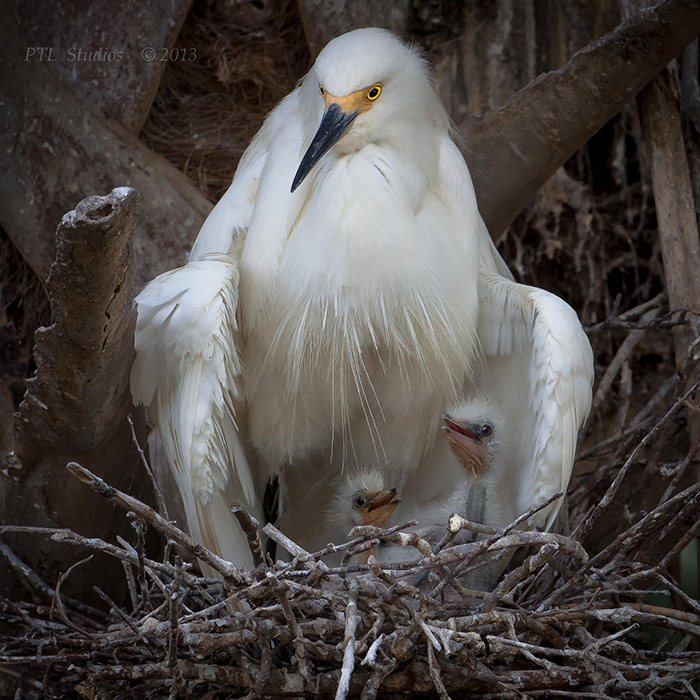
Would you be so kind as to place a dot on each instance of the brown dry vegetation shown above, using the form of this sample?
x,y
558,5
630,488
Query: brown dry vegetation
x,y
207,111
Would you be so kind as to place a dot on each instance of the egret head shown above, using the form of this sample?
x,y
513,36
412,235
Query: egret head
x,y
474,430
367,85
363,499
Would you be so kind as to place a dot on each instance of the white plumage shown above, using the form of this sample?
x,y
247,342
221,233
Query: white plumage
x,y
369,483
370,298
539,372
185,371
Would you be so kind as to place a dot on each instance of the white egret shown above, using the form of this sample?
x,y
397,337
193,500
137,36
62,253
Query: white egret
x,y
476,434
370,299
364,497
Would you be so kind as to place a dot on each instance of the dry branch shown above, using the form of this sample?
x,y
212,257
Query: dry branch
x,y
249,525
156,520
585,525
76,407
348,643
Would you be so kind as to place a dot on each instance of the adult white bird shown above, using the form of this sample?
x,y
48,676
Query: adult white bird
x,y
370,298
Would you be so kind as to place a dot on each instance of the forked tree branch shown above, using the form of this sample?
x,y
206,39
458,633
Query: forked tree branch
x,y
513,150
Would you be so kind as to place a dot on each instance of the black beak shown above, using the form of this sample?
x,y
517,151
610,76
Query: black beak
x,y
334,124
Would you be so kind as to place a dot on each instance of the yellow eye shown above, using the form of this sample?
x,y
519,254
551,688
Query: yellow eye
x,y
374,92
321,91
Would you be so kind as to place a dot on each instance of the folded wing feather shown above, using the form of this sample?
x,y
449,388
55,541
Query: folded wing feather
x,y
539,368
186,372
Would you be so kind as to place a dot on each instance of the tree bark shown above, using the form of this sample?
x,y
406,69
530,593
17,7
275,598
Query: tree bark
x,y
512,151
76,407
7,409
56,149
690,91
675,209
325,20
660,113
108,66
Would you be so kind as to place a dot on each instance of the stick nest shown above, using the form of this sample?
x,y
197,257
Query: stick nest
x,y
559,623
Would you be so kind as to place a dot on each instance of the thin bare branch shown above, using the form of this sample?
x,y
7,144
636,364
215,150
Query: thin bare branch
x,y
348,643
225,568
249,525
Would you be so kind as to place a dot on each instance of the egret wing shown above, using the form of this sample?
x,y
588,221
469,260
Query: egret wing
x,y
228,221
186,373
538,367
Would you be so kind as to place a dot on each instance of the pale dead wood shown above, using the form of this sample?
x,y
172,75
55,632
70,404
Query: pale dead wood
x,y
77,403
348,643
287,544
174,633
249,525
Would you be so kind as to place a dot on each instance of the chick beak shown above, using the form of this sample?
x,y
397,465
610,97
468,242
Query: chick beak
x,y
380,507
465,443
334,124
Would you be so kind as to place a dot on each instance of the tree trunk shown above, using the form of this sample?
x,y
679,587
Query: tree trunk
x,y
108,66
76,407
56,149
